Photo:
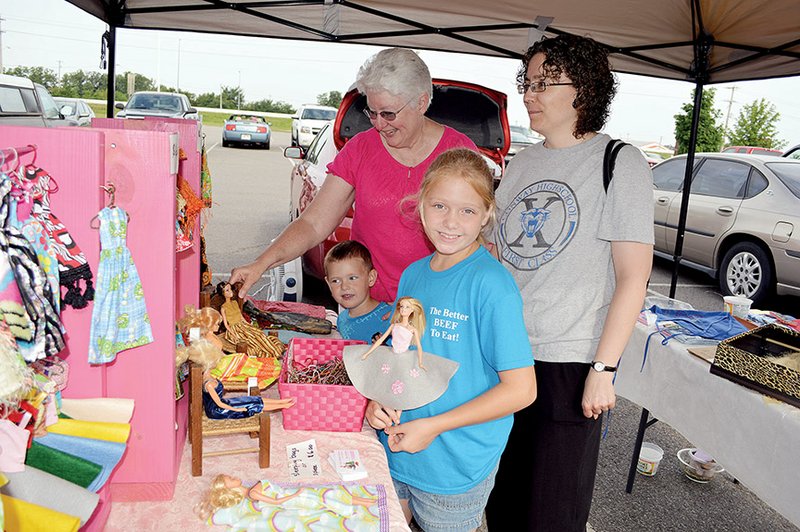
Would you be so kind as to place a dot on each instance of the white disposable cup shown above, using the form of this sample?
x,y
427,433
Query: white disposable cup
x,y
649,458
737,305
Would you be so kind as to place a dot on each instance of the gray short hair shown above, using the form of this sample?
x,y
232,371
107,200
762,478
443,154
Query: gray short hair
x,y
398,71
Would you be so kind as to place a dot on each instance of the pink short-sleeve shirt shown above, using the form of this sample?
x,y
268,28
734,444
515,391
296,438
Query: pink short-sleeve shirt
x,y
386,225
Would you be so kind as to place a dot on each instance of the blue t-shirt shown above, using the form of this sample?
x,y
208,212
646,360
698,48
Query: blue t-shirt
x,y
473,316
364,327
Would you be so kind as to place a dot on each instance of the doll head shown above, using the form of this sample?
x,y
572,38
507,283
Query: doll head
x,y
228,291
204,354
413,308
206,319
225,491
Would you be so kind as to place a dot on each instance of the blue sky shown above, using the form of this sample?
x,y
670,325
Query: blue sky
x,y
57,35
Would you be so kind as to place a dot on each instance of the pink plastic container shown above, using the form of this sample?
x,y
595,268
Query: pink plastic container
x,y
324,407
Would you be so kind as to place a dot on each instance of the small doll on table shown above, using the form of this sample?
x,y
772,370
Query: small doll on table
x,y
395,376
328,507
207,352
238,330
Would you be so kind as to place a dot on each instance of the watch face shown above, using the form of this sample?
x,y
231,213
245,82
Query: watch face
x,y
599,366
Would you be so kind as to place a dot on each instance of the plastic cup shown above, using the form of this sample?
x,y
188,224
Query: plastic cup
x,y
737,305
649,458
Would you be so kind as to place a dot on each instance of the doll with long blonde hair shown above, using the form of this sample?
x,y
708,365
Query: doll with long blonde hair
x,y
396,376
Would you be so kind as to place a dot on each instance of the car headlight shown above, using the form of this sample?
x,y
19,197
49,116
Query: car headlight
x,y
305,129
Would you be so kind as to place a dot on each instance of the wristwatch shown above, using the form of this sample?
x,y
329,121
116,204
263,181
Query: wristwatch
x,y
601,367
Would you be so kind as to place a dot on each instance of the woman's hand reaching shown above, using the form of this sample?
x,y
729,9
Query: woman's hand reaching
x,y
248,275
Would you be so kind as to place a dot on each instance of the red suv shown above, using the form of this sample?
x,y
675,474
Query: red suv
x,y
476,111
753,150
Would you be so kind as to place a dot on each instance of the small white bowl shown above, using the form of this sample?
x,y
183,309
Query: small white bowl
x,y
698,469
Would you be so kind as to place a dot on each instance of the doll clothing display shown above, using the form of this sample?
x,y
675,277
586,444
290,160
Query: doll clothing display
x,y
119,318
253,404
240,331
392,376
310,508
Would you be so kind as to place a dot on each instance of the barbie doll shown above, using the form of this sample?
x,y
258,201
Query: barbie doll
x,y
395,376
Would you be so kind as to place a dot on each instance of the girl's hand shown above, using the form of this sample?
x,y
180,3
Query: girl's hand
x,y
598,394
380,417
413,436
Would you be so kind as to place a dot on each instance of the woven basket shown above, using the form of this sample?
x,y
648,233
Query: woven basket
x,y
325,407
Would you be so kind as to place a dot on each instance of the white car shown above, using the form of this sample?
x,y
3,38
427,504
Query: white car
x,y
308,121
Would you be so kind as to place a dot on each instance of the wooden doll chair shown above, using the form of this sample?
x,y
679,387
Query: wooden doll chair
x,y
201,426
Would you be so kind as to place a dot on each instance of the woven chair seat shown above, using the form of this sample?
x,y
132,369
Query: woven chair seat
x,y
229,426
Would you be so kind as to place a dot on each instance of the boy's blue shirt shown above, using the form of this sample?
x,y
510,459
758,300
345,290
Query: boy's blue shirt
x,y
364,327
473,316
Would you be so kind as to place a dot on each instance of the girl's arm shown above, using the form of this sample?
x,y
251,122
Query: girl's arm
x,y
210,388
378,342
515,391
379,417
632,264
419,347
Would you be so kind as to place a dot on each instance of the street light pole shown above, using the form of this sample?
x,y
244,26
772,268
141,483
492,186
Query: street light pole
x,y
239,93
179,66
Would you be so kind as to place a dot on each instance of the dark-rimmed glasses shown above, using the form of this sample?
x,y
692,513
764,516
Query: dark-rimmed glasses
x,y
538,86
389,116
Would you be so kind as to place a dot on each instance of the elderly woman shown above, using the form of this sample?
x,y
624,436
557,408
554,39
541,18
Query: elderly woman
x,y
581,257
377,169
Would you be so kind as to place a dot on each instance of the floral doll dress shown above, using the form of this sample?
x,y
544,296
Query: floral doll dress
x,y
119,318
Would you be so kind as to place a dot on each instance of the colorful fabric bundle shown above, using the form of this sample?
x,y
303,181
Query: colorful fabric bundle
x,y
15,375
116,432
63,465
238,367
37,295
106,454
105,409
50,491
72,264
22,516
12,311
34,232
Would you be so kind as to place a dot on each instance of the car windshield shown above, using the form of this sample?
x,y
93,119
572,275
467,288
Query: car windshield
x,y
247,118
162,102
319,114
789,174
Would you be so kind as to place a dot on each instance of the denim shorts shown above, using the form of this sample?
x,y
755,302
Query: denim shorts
x,y
459,512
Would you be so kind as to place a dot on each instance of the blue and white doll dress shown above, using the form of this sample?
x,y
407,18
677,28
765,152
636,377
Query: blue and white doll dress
x,y
119,318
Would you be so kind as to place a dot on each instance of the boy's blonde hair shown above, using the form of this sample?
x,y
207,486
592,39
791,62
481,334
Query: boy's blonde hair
x,y
465,164
348,249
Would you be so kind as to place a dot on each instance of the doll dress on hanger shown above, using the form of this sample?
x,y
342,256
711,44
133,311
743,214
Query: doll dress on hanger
x,y
392,376
253,404
119,318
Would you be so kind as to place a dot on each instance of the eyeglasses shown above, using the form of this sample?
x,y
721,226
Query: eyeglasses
x,y
537,86
389,116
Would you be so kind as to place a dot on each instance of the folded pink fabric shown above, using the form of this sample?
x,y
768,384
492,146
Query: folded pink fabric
x,y
13,443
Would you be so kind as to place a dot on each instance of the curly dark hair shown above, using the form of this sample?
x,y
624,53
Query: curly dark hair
x,y
585,62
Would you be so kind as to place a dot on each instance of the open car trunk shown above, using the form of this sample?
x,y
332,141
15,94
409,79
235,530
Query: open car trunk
x,y
474,110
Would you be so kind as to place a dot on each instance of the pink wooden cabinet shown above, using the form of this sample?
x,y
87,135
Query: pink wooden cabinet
x,y
140,161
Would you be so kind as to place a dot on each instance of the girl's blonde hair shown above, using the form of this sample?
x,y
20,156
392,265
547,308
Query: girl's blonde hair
x,y
465,164
417,317
218,496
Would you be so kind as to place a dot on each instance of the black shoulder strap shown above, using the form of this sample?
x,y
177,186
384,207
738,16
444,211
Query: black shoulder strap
x,y
610,159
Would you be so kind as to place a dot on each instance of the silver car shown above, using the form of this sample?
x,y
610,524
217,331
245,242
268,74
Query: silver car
x,y
76,109
743,222
157,104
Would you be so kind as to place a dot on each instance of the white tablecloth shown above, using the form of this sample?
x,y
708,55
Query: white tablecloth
x,y
755,438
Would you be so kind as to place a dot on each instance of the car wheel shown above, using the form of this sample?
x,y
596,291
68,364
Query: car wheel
x,y
746,271
225,143
294,141
266,145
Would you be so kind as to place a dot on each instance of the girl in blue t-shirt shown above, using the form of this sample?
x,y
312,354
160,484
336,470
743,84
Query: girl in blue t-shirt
x,y
443,456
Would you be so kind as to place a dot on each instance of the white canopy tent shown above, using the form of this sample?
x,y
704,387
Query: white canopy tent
x,y
699,41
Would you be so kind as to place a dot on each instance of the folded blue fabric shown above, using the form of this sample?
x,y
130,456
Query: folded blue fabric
x,y
105,453
710,325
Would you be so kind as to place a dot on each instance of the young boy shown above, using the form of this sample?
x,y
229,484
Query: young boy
x,y
349,274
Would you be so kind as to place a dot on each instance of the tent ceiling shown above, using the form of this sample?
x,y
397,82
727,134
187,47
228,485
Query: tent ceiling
x,y
750,39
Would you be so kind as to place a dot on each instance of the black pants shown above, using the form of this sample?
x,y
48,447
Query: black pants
x,y
547,471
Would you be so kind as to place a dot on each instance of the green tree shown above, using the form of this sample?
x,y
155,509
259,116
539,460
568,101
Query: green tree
x,y
206,99
757,126
80,84
269,106
709,130
45,76
331,99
